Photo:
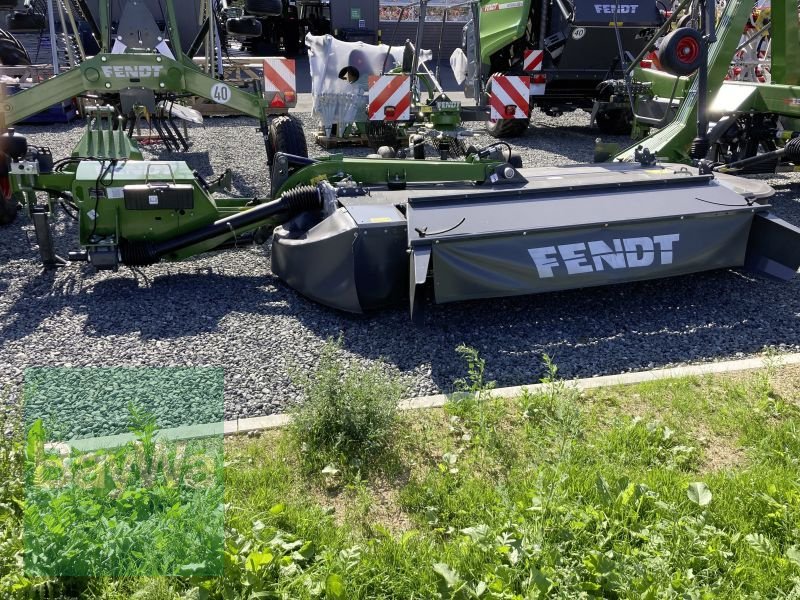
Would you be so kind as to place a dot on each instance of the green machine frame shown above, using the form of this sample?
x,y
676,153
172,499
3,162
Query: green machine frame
x,y
728,100
109,72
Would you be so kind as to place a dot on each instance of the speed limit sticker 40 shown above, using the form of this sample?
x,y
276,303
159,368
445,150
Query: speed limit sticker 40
x,y
220,93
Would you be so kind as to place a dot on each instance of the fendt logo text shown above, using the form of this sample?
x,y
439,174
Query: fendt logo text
x,y
132,72
589,257
610,9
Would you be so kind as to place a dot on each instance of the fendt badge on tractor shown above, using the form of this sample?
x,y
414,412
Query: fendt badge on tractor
x,y
132,72
622,9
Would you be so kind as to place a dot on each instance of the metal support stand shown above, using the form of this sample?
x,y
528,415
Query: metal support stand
x,y
53,40
701,144
44,237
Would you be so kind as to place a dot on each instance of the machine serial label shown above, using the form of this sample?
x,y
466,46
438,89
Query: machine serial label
x,y
622,9
589,257
133,72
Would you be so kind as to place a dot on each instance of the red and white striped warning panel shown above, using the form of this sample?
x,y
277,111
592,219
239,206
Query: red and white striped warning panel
x,y
280,83
532,60
509,97
538,84
389,98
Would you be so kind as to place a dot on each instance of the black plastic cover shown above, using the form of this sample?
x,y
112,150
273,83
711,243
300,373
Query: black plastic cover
x,y
170,196
354,260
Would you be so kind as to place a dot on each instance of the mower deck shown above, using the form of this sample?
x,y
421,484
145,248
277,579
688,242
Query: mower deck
x,y
554,228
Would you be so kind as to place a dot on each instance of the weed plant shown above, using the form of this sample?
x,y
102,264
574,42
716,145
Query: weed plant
x,y
349,414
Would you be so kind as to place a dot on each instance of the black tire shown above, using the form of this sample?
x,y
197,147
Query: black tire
x,y
617,121
680,52
264,8
8,205
507,128
244,27
12,53
286,135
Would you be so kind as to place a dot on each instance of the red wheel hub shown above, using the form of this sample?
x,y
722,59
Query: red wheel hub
x,y
688,49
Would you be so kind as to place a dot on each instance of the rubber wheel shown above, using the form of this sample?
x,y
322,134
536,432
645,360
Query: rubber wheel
x,y
264,8
507,128
680,52
286,135
12,53
244,27
617,121
8,206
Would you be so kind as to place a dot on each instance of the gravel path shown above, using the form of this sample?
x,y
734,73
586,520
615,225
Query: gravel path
x,y
228,310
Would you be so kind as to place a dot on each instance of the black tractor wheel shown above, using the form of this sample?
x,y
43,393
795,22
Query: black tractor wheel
x,y
507,128
264,8
617,121
12,53
680,52
8,205
244,27
286,135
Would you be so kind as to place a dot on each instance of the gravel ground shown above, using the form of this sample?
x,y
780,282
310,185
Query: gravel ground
x,y
227,310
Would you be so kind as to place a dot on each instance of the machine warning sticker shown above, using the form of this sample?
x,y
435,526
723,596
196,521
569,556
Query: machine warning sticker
x,y
220,93
112,193
152,200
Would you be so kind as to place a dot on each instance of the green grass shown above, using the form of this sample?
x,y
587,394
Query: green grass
x,y
686,488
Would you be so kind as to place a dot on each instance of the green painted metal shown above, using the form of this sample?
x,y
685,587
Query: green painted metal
x,y
174,31
777,99
115,72
105,26
97,187
501,23
103,140
97,191
785,38
661,83
371,171
673,141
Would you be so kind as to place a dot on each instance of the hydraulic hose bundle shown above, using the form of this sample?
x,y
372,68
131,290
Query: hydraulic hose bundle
x,y
291,203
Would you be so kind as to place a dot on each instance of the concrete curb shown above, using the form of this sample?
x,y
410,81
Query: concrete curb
x,y
254,424
439,400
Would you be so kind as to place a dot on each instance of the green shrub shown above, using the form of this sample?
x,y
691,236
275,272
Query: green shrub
x,y
12,497
349,412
